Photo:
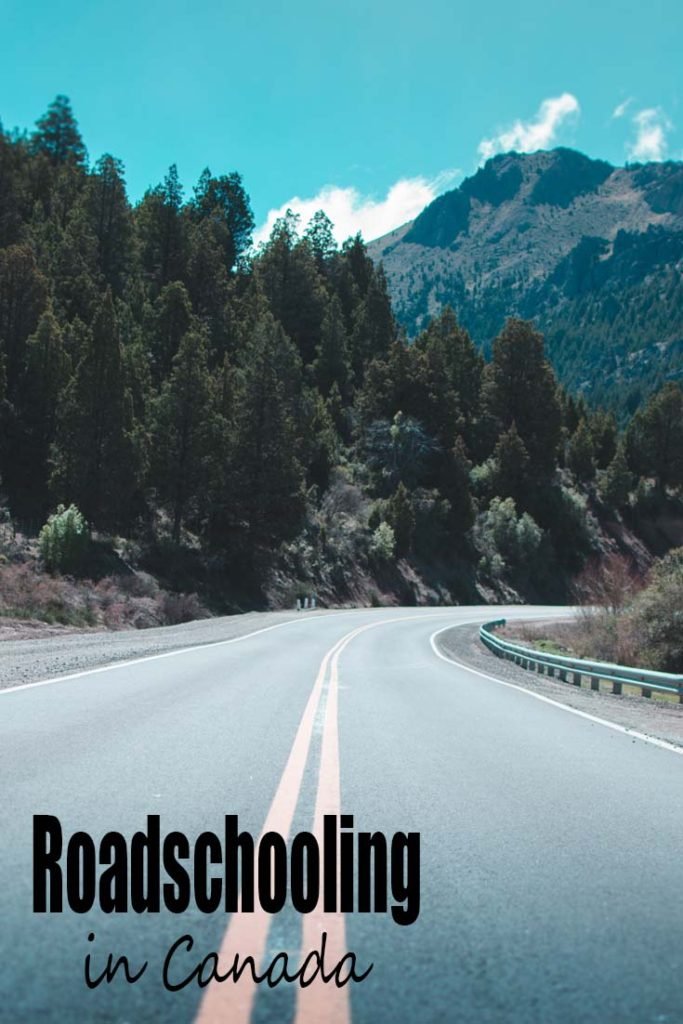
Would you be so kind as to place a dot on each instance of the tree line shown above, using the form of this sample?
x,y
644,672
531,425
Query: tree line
x,y
167,378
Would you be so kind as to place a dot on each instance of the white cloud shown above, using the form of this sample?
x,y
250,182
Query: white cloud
x,y
350,211
622,107
539,133
652,126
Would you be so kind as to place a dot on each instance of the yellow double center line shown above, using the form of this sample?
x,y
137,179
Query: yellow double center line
x,y
247,933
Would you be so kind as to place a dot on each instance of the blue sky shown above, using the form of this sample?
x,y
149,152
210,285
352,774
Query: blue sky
x,y
366,107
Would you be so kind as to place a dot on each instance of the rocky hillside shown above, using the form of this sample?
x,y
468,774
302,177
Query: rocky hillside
x,y
593,253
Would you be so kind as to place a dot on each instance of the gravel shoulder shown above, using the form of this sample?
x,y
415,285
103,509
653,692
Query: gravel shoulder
x,y
63,652
653,717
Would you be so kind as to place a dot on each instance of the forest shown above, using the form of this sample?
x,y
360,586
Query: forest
x,y
251,425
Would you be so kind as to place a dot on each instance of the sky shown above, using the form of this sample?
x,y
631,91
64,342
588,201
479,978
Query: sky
x,y
365,108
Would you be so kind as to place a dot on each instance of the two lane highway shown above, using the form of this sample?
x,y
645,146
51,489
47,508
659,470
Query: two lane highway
x,y
550,844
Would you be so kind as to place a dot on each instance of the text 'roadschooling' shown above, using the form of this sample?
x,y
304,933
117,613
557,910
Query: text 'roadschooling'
x,y
343,871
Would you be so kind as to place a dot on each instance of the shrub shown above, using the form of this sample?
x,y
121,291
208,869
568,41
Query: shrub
x,y
383,543
64,540
573,528
608,584
177,608
658,614
506,539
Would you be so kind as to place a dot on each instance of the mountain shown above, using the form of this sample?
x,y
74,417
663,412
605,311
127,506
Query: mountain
x,y
592,253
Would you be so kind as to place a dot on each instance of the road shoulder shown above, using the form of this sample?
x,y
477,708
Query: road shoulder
x,y
664,721
29,661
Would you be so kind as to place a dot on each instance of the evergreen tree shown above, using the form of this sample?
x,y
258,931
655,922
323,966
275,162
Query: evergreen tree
x,y
23,297
511,467
182,429
603,430
57,134
331,365
12,190
455,486
167,322
268,495
374,327
287,276
616,482
655,437
93,457
520,388
207,276
580,455
48,369
393,383
161,230
111,220
320,239
74,266
224,206
451,375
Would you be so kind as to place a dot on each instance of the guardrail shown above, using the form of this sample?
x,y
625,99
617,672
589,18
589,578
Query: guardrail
x,y
550,664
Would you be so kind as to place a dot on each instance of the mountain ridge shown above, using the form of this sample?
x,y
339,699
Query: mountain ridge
x,y
591,252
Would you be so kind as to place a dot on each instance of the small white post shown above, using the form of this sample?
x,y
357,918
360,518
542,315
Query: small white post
x,y
298,604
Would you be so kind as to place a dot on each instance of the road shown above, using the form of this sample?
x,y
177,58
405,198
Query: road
x,y
550,844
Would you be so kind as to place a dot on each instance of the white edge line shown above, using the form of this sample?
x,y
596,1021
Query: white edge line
x,y
662,744
109,666
165,654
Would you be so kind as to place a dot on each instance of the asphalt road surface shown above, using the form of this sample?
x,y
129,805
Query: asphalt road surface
x,y
551,845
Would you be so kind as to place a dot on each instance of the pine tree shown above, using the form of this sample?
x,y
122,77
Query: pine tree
x,y
319,237
111,220
93,457
207,275
655,437
48,368
603,430
331,365
374,327
181,430
455,486
616,482
511,467
580,454
268,494
161,229
223,204
167,322
393,383
450,378
57,134
23,297
12,190
287,276
520,388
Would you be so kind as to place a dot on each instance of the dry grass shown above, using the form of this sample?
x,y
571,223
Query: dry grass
x,y
115,602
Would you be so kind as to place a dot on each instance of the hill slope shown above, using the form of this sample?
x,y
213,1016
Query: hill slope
x,y
593,253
